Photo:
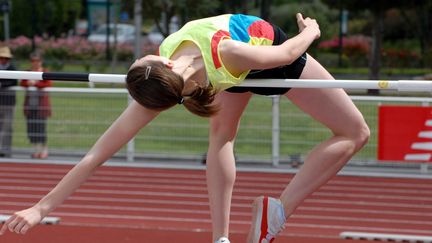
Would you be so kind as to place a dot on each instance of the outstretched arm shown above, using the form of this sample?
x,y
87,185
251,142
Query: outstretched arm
x,y
265,57
121,131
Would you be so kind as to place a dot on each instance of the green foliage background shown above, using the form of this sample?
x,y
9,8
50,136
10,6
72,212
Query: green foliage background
x,y
55,17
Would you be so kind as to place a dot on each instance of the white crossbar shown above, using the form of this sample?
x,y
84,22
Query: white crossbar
x,y
20,75
385,237
399,85
46,220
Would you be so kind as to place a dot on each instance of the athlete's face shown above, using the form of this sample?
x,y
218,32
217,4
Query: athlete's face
x,y
153,58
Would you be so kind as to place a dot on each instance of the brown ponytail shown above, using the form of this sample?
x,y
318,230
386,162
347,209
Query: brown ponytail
x,y
199,102
157,87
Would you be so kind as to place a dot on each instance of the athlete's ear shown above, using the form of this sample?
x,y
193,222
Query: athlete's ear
x,y
169,64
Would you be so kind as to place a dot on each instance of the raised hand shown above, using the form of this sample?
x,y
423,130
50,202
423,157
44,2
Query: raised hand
x,y
308,23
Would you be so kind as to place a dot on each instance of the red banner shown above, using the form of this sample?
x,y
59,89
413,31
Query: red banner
x,y
405,133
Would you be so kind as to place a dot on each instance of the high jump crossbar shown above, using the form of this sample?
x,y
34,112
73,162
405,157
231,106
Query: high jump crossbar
x,y
399,85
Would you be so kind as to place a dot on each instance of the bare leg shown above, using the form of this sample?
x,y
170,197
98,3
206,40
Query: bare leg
x,y
220,159
334,109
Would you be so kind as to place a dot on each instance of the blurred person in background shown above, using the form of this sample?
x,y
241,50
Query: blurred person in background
x,y
37,108
7,103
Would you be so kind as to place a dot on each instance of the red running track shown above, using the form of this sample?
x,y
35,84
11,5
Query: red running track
x,y
123,204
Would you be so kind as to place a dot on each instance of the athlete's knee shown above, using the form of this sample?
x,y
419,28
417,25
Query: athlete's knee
x,y
223,130
360,135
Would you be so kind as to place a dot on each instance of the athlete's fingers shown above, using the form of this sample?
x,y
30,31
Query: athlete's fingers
x,y
3,229
299,17
13,223
19,226
6,224
25,229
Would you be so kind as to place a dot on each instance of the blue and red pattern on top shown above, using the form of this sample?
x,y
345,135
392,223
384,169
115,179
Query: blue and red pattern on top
x,y
241,28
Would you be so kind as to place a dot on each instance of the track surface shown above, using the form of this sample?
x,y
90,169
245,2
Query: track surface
x,y
123,204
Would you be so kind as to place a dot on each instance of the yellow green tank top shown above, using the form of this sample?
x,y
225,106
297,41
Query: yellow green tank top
x,y
209,32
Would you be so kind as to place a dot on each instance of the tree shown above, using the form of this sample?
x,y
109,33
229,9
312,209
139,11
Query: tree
x,y
162,11
54,17
421,22
265,9
283,15
234,6
377,8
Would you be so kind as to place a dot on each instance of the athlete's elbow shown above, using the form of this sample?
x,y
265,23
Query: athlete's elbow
x,y
289,58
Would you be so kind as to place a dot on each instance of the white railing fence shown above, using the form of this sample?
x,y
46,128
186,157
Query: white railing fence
x,y
273,130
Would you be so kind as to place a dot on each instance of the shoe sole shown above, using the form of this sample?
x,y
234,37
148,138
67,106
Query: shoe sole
x,y
258,215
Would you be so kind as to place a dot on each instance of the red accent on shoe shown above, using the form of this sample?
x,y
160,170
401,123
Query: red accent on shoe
x,y
264,220
43,155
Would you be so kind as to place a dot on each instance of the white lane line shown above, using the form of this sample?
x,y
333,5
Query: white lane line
x,y
122,208
234,212
128,217
363,211
116,192
241,178
245,214
372,197
359,228
238,186
269,178
366,220
200,188
111,199
205,196
408,205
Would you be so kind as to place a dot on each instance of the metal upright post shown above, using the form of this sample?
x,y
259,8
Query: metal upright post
x,y
108,29
5,8
137,54
138,25
275,131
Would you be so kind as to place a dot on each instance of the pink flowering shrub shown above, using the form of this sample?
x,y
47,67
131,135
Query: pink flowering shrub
x,y
352,45
72,48
20,46
356,50
400,58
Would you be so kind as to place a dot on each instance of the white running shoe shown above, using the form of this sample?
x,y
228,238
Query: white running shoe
x,y
268,220
222,240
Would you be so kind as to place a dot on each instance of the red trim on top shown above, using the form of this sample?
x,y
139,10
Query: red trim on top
x,y
261,29
217,37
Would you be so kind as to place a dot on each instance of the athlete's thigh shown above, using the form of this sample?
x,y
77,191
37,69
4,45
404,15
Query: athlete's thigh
x,y
231,107
332,107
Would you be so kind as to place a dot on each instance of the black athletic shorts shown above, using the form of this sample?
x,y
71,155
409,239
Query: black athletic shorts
x,y
292,71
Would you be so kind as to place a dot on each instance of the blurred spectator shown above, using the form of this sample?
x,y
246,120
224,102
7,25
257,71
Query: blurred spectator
x,y
7,103
37,108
